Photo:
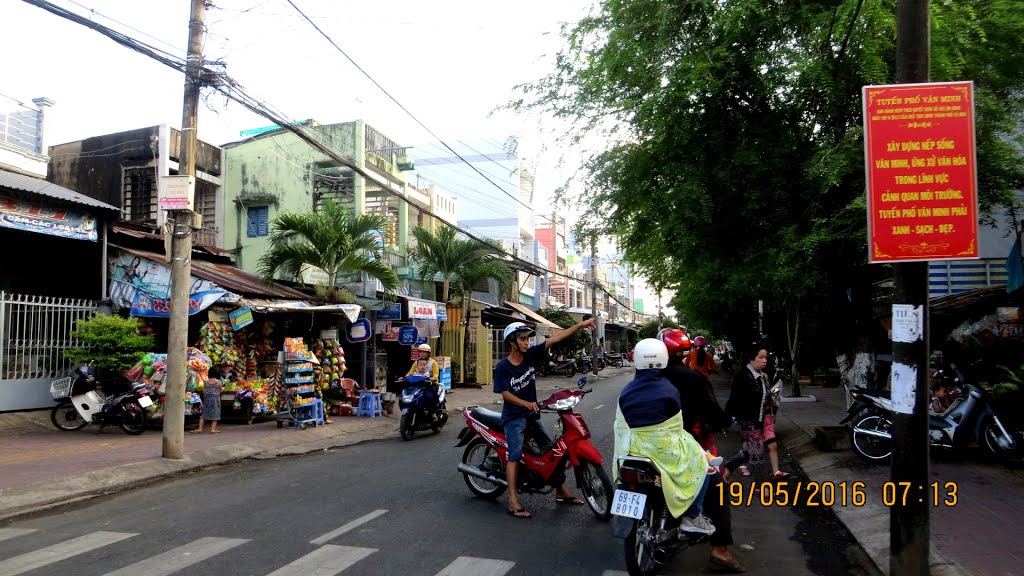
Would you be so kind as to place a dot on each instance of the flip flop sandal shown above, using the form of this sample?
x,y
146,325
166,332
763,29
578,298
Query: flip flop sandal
x,y
731,565
519,513
570,500
744,471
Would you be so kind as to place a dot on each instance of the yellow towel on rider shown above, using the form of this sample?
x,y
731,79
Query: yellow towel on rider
x,y
674,451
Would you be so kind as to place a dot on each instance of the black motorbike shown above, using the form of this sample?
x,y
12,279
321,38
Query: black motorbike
x,y
97,397
615,359
422,405
969,417
642,517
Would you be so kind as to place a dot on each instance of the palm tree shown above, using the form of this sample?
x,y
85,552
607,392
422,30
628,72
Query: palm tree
x,y
333,241
462,263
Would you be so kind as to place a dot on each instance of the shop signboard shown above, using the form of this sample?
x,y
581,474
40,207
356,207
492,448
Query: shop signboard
x,y
146,306
176,192
444,374
240,318
407,335
21,215
442,313
921,172
359,331
390,334
391,311
422,310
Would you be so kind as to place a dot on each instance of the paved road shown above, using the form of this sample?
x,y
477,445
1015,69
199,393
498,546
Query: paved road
x,y
387,507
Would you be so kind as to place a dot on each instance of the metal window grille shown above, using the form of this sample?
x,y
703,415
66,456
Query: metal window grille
x,y
35,331
140,198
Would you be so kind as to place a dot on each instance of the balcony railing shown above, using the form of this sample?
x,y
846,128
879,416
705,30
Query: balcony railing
x,y
206,236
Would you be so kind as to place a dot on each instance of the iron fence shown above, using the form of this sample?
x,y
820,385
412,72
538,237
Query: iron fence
x,y
34,333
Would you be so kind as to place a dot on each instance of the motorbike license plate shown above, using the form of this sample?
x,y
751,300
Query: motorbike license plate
x,y
145,401
629,504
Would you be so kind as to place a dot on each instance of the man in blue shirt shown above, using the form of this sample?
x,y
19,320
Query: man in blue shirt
x,y
515,378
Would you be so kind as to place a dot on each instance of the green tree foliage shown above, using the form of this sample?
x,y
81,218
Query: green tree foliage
x,y
461,262
735,165
650,329
113,343
332,240
563,318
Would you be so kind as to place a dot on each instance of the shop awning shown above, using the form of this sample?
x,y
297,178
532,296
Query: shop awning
x,y
351,311
227,277
540,320
25,183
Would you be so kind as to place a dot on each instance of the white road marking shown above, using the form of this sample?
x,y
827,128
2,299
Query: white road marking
x,y
327,560
8,533
181,557
599,406
614,573
350,526
469,566
62,551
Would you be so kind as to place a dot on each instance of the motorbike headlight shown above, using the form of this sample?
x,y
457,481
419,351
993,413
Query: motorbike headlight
x,y
408,397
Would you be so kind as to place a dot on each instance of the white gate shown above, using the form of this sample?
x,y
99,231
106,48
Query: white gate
x,y
34,332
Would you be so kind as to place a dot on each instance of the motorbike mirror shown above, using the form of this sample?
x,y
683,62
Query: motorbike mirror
x,y
581,382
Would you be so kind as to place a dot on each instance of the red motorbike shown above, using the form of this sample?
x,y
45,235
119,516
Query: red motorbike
x,y
543,468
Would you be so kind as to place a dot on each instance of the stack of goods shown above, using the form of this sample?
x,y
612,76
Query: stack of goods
x,y
151,370
332,363
220,342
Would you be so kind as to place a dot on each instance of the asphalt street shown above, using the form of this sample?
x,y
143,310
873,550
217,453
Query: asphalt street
x,y
385,507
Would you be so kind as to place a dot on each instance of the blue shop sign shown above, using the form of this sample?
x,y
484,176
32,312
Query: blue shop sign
x,y
390,312
407,335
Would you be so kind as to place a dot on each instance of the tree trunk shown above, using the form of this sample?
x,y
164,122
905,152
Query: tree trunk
x,y
856,371
794,341
466,311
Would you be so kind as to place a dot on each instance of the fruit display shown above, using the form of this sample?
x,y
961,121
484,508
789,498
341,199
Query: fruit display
x,y
332,363
224,347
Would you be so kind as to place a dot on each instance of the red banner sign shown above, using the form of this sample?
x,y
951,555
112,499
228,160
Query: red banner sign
x,y
921,172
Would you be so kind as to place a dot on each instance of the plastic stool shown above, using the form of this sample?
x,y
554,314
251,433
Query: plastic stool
x,y
369,404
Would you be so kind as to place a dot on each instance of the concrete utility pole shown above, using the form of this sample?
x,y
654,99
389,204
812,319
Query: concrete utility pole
x,y
909,534
593,301
180,222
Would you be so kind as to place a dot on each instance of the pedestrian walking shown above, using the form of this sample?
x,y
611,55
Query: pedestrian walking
x,y
751,404
211,402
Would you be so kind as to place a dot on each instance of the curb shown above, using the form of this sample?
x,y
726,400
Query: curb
x,y
868,524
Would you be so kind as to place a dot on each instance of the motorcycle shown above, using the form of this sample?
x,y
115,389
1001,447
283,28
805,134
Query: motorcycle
x,y
83,399
543,468
420,393
970,417
651,533
614,359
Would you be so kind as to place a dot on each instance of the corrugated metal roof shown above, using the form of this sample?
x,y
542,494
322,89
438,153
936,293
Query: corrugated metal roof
x,y
39,186
228,277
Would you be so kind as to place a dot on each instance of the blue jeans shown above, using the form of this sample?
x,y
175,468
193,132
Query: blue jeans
x,y
515,434
697,507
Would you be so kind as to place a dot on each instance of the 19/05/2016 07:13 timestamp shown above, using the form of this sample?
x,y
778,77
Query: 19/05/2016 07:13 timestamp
x,y
842,494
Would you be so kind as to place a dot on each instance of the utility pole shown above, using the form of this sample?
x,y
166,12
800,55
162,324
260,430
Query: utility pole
x,y
593,301
181,222
909,534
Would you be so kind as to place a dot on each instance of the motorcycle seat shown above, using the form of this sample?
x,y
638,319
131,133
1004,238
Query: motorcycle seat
x,y
488,418
869,392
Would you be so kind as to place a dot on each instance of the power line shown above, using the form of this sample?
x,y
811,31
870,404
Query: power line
x,y
404,109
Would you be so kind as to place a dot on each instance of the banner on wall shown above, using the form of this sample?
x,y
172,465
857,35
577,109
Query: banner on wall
x,y
422,310
147,306
143,286
21,215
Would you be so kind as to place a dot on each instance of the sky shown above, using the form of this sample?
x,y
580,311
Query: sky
x,y
451,63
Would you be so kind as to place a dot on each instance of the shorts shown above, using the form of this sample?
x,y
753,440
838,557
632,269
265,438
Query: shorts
x,y
768,429
515,435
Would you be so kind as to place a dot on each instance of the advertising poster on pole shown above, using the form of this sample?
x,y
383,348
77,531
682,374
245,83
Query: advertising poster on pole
x,y
921,172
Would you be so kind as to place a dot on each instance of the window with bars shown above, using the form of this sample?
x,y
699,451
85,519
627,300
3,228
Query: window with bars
x,y
329,189
258,221
140,197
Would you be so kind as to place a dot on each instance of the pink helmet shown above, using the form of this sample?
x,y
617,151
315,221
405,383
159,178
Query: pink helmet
x,y
699,341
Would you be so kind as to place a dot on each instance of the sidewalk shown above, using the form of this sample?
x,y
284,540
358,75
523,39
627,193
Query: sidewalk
x,y
975,537
42,467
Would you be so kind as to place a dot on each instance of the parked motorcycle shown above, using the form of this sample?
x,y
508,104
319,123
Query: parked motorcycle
x,y
543,468
422,406
83,399
615,359
970,417
651,533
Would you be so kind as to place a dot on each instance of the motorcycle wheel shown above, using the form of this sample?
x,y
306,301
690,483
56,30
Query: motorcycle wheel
x,y
991,433
66,418
482,455
640,548
406,426
569,371
133,418
872,448
596,487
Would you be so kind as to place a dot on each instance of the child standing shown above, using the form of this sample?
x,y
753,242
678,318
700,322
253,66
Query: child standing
x,y
211,402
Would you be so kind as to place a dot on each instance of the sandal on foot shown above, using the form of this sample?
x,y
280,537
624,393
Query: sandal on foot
x,y
518,513
779,474
732,565
572,500
195,431
744,471
214,431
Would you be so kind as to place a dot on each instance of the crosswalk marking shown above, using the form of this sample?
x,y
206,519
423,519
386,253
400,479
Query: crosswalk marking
x,y
614,573
61,551
181,557
350,526
469,566
327,560
8,533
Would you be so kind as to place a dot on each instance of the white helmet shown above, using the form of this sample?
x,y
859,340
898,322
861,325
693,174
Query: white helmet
x,y
650,354
424,347
514,329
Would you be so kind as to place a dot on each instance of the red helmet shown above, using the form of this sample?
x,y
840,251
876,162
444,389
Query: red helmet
x,y
699,342
675,340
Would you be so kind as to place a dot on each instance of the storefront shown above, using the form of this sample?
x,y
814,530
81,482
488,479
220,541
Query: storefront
x,y
399,328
